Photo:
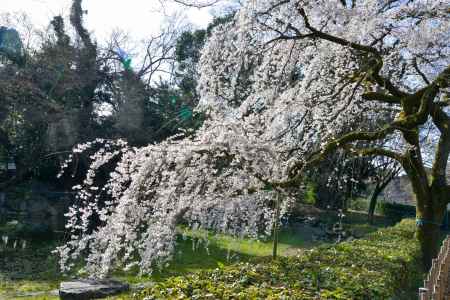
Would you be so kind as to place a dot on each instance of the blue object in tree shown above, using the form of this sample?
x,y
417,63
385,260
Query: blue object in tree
x,y
185,113
173,100
122,54
125,59
127,64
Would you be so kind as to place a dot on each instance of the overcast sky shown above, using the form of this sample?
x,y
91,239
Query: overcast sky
x,y
139,17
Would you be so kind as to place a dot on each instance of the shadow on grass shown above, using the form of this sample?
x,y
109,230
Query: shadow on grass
x,y
27,271
193,254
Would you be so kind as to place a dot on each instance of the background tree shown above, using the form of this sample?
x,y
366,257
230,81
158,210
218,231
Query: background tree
x,y
385,170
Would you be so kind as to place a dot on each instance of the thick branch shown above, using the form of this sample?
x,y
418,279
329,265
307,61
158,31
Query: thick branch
x,y
373,96
440,118
442,122
416,67
353,137
343,142
384,82
374,152
427,106
438,172
335,39
421,116
443,80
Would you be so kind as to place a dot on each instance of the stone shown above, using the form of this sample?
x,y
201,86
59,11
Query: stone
x,y
90,289
141,286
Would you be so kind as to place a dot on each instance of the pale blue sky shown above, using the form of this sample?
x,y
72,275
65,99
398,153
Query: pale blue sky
x,y
139,17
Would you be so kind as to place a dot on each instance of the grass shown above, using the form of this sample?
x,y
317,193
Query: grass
x,y
35,269
195,255
29,270
382,265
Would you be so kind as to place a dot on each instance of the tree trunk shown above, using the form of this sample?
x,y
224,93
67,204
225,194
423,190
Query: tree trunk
x,y
428,236
380,186
373,203
347,197
429,215
275,228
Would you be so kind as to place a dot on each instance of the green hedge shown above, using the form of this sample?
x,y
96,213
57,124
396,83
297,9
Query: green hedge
x,y
396,211
382,266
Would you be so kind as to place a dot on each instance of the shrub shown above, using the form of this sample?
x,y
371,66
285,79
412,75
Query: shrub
x,y
29,231
310,194
397,211
359,204
384,265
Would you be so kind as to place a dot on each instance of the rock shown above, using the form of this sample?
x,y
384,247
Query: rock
x,y
349,239
90,289
43,295
141,286
12,223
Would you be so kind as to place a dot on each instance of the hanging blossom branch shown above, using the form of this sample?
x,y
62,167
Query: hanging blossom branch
x,y
214,182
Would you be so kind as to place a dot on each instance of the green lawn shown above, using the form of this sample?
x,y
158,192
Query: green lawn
x,y
221,250
29,270
35,269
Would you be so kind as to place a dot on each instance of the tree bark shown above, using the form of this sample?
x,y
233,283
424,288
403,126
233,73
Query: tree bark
x,y
430,211
380,186
428,236
88,68
276,229
373,203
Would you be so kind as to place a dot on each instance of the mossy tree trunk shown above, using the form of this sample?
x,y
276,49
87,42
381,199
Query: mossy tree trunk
x,y
429,216
417,108
432,192
430,211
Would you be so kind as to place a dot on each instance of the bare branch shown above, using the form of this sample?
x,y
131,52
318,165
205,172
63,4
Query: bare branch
x,y
416,67
197,4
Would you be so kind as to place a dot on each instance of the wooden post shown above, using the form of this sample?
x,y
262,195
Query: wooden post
x,y
437,281
423,294
275,227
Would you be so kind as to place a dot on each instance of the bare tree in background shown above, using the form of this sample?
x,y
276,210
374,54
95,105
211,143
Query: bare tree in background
x,y
385,170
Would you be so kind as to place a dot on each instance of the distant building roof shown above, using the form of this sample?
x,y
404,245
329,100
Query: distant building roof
x,y
400,190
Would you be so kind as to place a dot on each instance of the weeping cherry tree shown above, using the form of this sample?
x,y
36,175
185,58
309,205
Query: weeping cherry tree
x,y
283,85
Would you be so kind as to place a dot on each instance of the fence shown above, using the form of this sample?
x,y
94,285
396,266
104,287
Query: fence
x,y
436,284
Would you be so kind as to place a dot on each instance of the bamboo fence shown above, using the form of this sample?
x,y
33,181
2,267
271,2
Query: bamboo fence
x,y
436,285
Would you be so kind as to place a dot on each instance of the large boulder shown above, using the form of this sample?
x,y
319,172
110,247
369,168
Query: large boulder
x,y
90,289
